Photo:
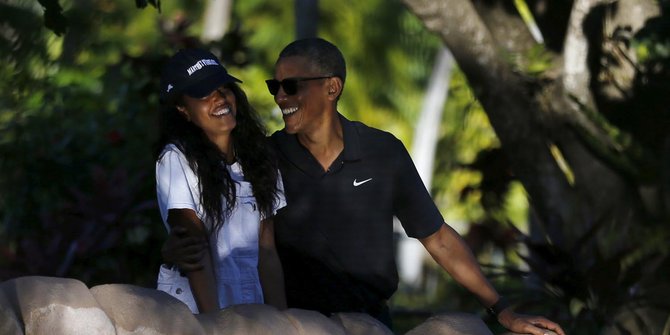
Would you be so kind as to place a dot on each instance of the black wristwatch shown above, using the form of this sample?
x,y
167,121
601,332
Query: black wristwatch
x,y
498,307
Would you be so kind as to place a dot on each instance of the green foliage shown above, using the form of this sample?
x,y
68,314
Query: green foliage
x,y
589,290
77,114
76,162
538,60
57,146
385,75
144,3
53,16
389,64
77,117
465,132
638,121
652,44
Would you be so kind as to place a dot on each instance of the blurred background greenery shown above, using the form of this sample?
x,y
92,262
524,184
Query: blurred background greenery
x,y
78,104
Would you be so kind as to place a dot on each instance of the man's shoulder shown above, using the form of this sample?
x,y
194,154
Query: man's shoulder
x,y
369,135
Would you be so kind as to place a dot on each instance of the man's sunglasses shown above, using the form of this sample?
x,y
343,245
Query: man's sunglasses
x,y
290,85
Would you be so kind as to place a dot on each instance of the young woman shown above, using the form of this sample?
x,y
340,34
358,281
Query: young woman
x,y
217,180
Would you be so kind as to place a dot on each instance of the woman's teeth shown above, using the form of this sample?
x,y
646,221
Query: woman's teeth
x,y
222,111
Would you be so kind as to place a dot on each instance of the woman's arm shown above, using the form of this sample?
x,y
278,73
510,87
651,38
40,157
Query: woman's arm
x,y
270,269
202,281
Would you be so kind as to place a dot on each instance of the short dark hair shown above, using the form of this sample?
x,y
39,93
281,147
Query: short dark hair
x,y
323,55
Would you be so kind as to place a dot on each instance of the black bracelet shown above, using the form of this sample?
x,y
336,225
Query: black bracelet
x,y
498,307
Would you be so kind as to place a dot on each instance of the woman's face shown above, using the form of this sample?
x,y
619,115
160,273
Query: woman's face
x,y
214,113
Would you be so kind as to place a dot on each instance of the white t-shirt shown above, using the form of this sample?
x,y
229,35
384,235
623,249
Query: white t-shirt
x,y
234,247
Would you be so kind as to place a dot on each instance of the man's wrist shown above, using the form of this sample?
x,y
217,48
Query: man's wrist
x,y
500,305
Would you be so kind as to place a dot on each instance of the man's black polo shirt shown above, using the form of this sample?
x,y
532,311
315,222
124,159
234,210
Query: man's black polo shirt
x,y
335,237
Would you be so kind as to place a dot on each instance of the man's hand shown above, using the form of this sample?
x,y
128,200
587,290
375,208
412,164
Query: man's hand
x,y
527,324
184,250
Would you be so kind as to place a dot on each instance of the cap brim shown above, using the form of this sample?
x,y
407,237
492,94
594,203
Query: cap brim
x,y
207,85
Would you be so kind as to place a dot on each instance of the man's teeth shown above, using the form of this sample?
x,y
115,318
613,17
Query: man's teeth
x,y
289,111
222,111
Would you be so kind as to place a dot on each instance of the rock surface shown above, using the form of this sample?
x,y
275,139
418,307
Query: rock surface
x,y
49,305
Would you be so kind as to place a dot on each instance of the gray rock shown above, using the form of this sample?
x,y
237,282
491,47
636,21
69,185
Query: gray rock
x,y
361,324
251,319
139,310
311,322
52,306
10,323
452,324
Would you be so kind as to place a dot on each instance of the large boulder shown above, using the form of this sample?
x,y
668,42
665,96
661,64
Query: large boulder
x,y
361,324
137,310
10,322
247,319
452,324
48,305
311,322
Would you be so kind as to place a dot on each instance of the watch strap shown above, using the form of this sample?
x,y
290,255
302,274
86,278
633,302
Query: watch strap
x,y
498,307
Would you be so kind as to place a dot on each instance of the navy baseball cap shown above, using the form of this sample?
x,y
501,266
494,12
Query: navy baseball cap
x,y
193,72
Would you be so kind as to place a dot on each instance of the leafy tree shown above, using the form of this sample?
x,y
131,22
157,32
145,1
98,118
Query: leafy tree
x,y
579,111
76,186
78,112
581,114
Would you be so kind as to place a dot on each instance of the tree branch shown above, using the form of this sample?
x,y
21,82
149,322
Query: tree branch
x,y
511,109
506,27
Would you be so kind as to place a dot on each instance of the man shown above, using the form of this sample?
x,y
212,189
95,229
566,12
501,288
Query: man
x,y
344,182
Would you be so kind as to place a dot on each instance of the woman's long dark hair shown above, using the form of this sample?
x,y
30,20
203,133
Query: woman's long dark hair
x,y
209,163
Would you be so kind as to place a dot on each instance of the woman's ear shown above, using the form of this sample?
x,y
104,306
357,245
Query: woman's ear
x,y
182,110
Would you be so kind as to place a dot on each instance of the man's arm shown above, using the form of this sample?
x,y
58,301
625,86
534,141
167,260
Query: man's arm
x,y
183,250
451,252
202,281
270,269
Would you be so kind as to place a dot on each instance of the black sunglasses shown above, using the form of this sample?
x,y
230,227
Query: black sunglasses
x,y
290,85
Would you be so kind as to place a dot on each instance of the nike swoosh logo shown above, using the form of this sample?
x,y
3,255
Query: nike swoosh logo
x,y
359,183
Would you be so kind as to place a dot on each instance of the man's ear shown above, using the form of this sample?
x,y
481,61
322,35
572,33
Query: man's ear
x,y
334,87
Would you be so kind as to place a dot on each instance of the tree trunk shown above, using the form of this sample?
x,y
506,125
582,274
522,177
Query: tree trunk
x,y
427,127
411,252
306,18
217,19
536,121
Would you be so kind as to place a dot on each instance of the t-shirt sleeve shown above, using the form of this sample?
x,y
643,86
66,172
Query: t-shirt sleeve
x,y
176,184
413,205
281,198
